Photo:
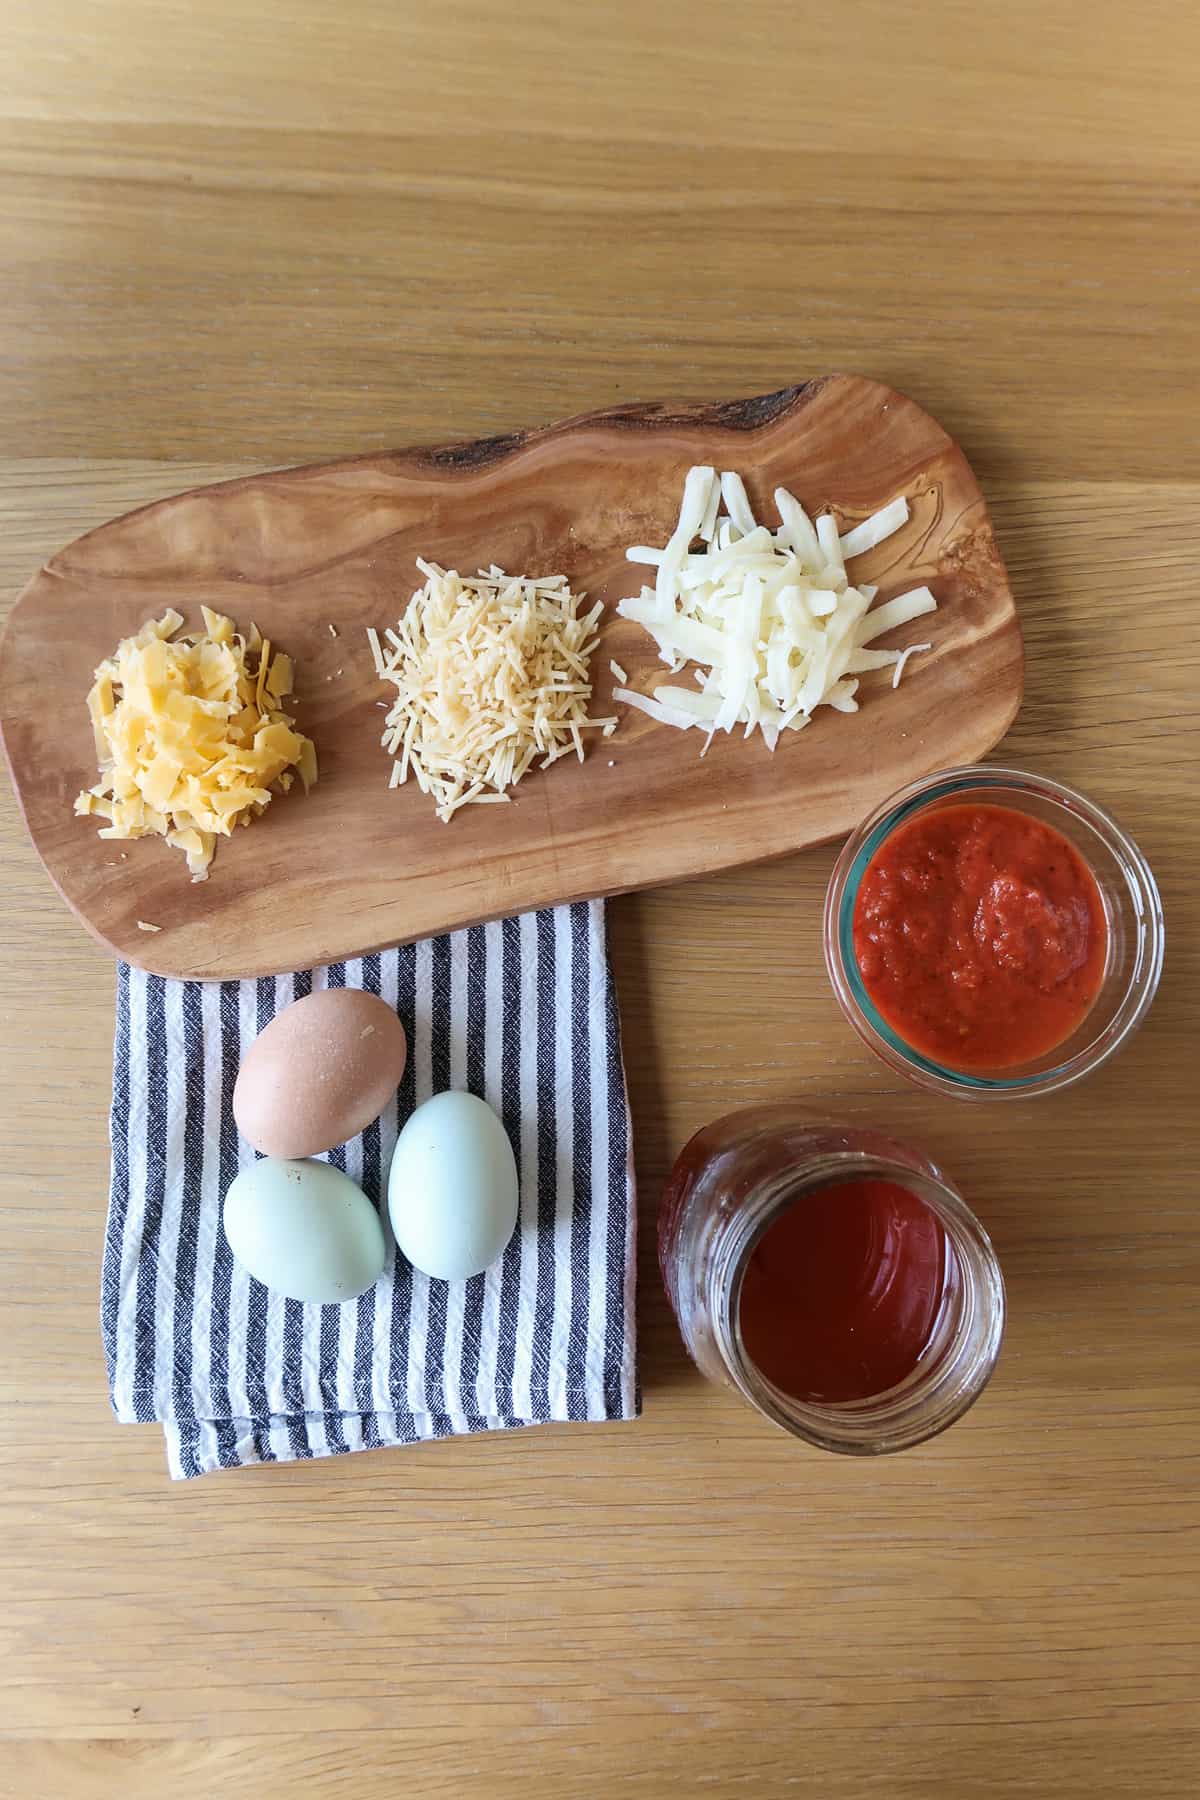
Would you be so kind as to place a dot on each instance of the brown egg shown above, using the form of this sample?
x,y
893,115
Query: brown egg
x,y
323,1068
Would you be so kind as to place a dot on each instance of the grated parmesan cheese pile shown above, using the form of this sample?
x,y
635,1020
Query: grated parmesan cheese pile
x,y
770,616
491,672
191,736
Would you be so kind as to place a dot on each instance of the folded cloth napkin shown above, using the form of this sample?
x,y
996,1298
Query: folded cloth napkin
x,y
522,1013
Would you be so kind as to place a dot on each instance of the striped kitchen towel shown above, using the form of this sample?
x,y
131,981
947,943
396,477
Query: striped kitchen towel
x,y
521,1012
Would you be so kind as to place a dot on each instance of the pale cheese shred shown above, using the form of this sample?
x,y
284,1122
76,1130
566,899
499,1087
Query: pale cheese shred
x,y
191,736
491,673
771,616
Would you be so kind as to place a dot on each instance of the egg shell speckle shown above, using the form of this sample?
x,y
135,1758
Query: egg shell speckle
x,y
321,1070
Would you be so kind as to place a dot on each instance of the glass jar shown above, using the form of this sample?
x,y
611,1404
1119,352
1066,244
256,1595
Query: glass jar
x,y
739,1175
1132,910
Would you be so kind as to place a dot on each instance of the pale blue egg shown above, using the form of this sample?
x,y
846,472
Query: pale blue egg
x,y
304,1229
452,1188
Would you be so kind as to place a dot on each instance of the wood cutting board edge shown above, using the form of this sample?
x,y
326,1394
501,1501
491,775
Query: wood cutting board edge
x,y
473,457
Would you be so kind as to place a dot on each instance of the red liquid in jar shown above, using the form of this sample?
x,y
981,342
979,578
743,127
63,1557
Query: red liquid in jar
x,y
980,935
842,1292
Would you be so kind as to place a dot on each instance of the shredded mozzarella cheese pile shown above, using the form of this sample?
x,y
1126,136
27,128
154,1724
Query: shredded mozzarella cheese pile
x,y
191,735
491,672
770,616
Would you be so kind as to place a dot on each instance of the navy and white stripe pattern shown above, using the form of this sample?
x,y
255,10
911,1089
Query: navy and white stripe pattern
x,y
522,1013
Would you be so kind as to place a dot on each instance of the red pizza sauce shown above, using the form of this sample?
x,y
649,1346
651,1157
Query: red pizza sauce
x,y
980,936
842,1292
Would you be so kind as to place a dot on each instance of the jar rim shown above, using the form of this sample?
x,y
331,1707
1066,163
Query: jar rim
x,y
850,990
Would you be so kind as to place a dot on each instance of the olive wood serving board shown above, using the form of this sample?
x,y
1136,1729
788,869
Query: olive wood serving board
x,y
354,866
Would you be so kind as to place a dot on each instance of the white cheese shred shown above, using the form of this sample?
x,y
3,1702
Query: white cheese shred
x,y
491,675
876,529
901,661
770,617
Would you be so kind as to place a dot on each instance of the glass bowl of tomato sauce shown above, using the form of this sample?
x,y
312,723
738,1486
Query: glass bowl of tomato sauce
x,y
989,931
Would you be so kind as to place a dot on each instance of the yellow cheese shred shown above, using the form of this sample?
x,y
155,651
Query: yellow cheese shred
x,y
191,735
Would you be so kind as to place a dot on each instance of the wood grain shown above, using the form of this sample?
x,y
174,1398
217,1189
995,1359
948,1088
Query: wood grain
x,y
237,238
314,556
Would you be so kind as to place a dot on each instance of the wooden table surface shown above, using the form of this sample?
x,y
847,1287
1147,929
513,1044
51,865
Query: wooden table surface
x,y
234,237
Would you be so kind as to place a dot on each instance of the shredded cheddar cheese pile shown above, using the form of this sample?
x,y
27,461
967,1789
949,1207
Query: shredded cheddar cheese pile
x,y
191,735
491,672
